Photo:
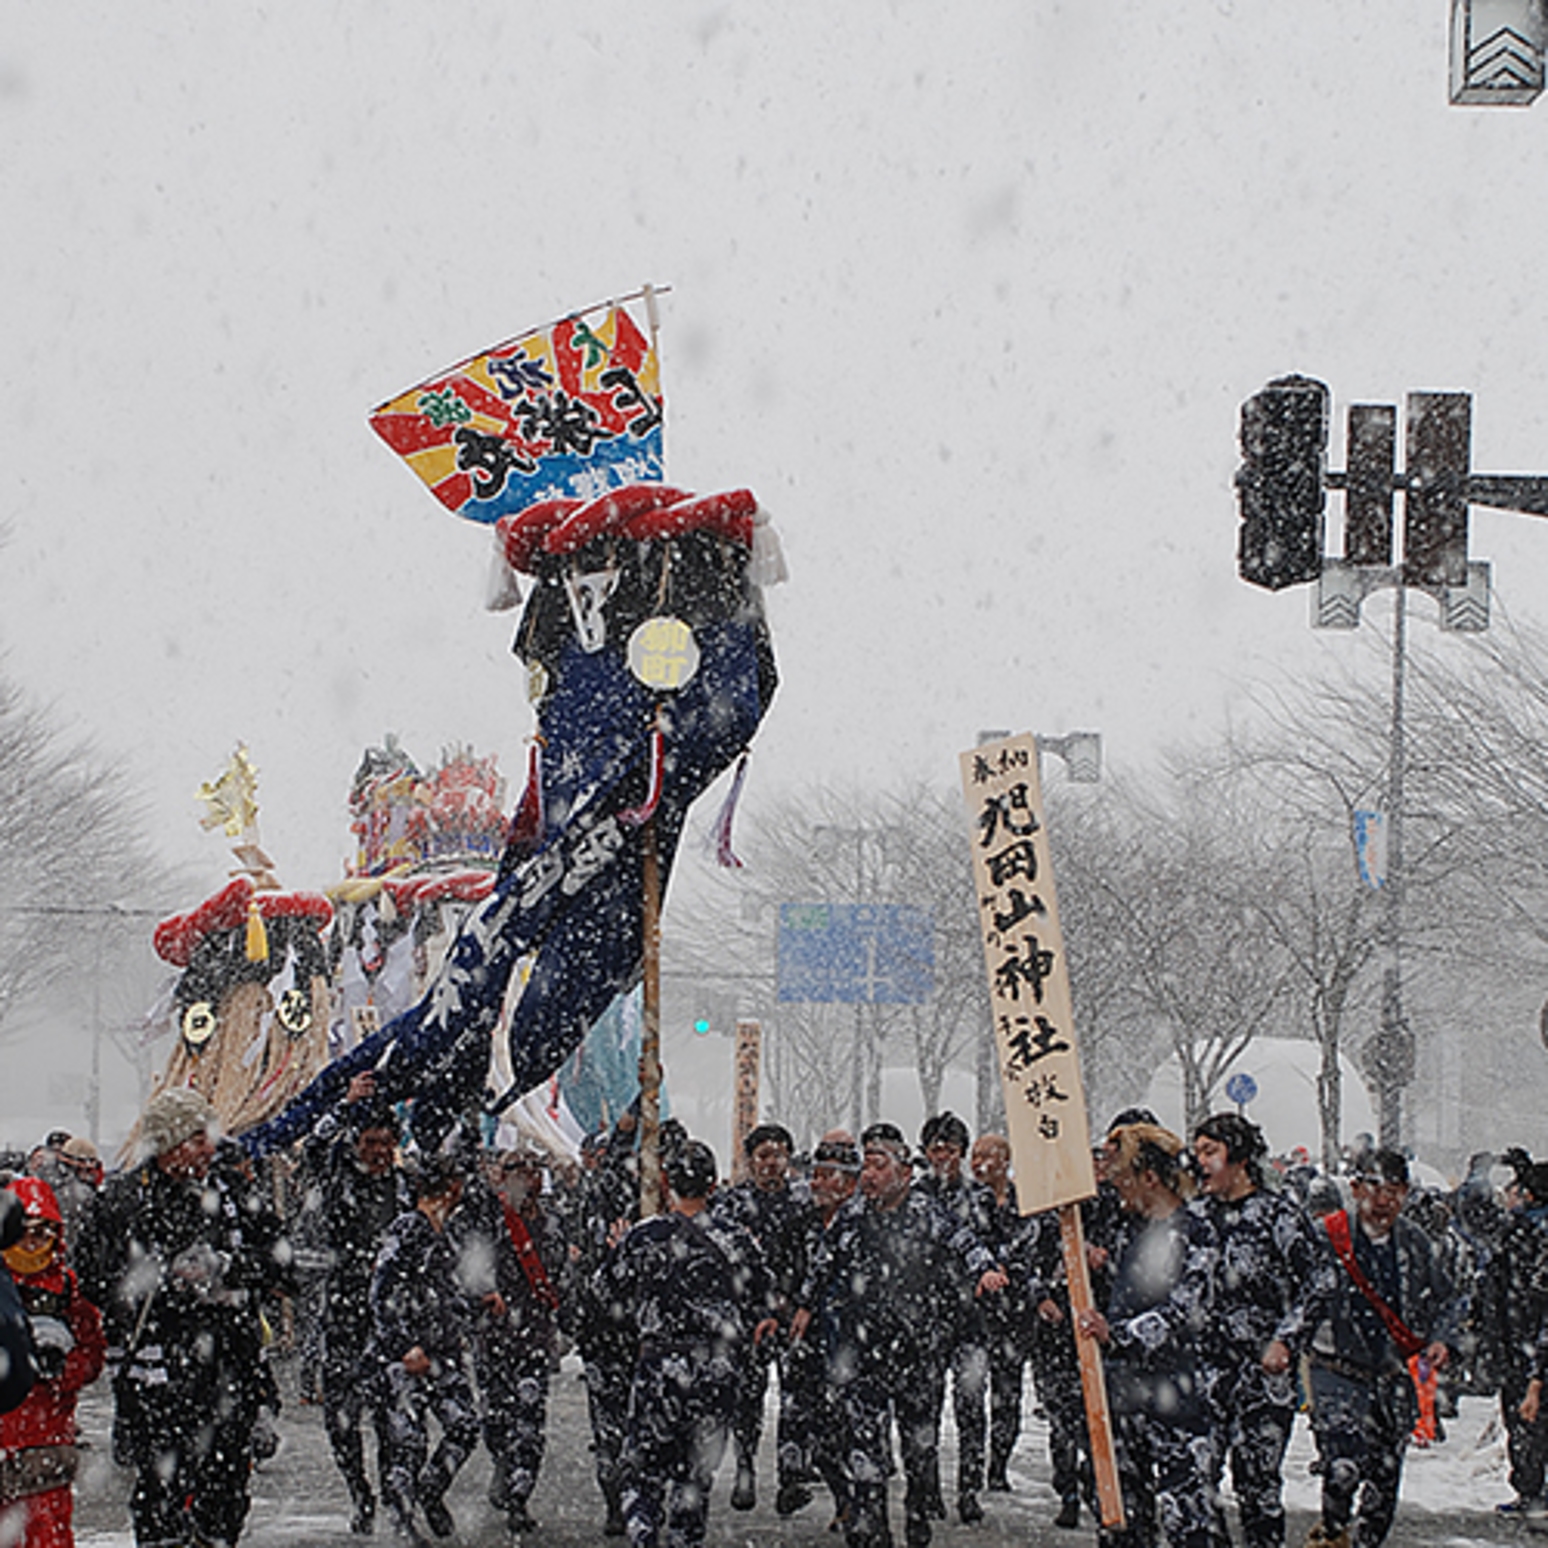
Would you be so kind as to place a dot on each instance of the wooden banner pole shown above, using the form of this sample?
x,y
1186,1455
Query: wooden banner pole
x,y
1099,1425
651,1195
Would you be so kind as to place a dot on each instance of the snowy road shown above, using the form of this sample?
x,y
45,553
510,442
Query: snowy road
x,y
1448,1498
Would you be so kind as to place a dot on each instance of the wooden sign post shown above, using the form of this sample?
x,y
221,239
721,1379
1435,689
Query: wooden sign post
x,y
1034,1034
747,1064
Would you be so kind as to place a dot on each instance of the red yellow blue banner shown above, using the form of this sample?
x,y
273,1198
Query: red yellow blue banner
x,y
568,410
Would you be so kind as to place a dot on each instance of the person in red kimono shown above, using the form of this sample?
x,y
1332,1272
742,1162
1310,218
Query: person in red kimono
x,y
37,1440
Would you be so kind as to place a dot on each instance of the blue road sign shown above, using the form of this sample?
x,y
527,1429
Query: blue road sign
x,y
878,953
1241,1089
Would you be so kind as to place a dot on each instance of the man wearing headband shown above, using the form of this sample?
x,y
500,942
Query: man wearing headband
x,y
767,1206
695,1291
1275,1281
834,1177
353,1190
1008,1317
944,1140
888,1265
511,1258
1510,1307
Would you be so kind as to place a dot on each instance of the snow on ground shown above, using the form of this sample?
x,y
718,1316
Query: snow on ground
x,y
1464,1475
1465,1472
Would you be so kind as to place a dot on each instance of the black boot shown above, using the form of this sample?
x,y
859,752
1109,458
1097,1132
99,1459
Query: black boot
x,y
744,1493
615,1525
437,1517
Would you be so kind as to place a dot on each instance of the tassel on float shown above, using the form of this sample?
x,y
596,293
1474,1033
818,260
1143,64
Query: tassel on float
x,y
527,822
636,816
257,936
724,854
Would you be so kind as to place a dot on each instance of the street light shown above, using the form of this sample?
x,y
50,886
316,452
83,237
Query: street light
x,y
1080,750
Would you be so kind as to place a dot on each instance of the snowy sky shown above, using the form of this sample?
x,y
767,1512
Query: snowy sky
x,y
969,295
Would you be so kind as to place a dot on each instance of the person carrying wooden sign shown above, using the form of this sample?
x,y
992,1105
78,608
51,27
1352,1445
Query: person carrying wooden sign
x,y
1034,1033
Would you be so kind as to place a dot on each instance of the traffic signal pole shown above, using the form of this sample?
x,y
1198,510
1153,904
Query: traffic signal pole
x,y
1394,1038
1280,489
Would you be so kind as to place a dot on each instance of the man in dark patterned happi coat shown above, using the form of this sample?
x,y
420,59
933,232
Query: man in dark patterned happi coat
x,y
775,1211
696,1292
1363,1399
1274,1280
880,1288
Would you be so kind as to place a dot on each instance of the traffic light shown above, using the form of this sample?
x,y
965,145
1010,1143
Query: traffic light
x,y
1440,429
701,1025
1284,441
1372,455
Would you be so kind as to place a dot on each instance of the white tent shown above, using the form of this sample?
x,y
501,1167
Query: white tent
x,y
1285,1071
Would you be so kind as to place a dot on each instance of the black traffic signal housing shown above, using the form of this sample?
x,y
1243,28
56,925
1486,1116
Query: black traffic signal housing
x,y
1440,432
1279,486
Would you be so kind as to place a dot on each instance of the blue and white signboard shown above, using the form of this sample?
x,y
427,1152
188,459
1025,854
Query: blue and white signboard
x,y
1370,838
878,953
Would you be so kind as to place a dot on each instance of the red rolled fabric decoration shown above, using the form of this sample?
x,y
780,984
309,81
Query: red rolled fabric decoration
x,y
729,514
607,513
176,939
522,532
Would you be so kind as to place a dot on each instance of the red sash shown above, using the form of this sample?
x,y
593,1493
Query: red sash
x,y
1337,1226
527,1256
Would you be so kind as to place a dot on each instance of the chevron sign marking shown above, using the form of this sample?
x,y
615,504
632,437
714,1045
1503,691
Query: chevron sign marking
x,y
1497,50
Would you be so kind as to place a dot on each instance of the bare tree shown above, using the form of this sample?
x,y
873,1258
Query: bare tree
x,y
70,851
1174,884
846,846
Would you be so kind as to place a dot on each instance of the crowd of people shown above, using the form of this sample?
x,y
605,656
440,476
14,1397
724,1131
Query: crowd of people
x,y
429,1295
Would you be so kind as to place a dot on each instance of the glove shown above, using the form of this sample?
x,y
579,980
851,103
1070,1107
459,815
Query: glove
x,y
199,1269
52,1342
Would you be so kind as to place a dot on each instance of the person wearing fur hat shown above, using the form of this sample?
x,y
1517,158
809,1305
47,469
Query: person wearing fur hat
x,y
1275,1281
181,1254
37,1440
1153,1336
774,1210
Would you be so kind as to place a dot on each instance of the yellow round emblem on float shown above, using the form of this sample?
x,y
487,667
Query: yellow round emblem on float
x,y
294,1011
199,1024
663,653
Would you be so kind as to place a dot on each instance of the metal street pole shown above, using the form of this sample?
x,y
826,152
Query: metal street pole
x,y
1393,1054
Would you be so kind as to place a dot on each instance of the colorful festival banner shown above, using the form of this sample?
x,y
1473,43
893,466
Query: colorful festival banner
x,y
569,410
1029,981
